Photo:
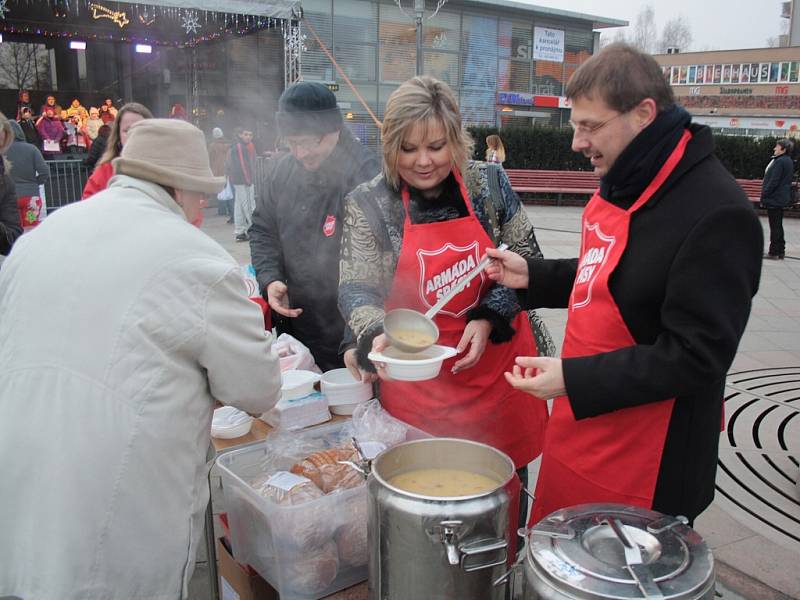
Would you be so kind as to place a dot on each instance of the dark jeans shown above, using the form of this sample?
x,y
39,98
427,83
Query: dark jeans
x,y
777,245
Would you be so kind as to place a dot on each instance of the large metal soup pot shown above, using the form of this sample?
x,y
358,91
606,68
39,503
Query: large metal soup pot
x,y
439,548
594,551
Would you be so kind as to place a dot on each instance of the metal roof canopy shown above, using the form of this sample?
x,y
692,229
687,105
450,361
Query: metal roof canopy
x,y
597,22
277,9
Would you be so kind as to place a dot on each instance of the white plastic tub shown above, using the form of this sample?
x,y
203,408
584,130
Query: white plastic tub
x,y
419,366
297,383
264,534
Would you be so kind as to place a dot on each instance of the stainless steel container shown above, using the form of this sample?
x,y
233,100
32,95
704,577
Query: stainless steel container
x,y
433,548
597,551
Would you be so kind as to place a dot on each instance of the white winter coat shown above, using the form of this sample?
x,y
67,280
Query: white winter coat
x,y
120,325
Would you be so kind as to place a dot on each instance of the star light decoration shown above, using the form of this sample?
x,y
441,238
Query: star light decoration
x,y
4,8
191,23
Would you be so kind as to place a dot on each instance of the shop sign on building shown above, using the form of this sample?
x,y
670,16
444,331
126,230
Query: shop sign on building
x,y
548,44
524,99
515,98
735,91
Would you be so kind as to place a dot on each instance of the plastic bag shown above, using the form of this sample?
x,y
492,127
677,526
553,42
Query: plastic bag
x,y
226,195
293,354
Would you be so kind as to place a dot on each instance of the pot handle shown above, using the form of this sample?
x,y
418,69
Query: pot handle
x,y
483,547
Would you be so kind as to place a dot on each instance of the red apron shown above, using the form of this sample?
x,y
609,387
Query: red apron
x,y
475,404
613,457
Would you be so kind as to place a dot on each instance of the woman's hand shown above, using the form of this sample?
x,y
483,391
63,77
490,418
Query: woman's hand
x,y
540,376
351,362
379,344
507,268
476,336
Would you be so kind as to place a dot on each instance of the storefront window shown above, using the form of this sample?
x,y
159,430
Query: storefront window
x,y
548,78
692,73
442,32
398,50
478,107
357,61
700,76
794,73
744,75
444,66
479,53
735,74
774,72
784,76
315,64
514,75
515,40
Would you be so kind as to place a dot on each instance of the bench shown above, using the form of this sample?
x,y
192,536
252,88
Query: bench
x,y
553,182
530,181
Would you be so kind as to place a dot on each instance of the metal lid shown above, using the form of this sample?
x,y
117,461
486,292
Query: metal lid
x,y
617,551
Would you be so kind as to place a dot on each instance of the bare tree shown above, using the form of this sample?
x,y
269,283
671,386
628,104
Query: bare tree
x,y
619,36
676,34
22,66
645,31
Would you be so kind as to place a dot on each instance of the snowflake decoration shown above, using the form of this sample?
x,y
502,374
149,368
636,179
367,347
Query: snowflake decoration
x,y
190,22
4,8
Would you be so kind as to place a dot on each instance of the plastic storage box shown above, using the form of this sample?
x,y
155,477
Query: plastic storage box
x,y
307,551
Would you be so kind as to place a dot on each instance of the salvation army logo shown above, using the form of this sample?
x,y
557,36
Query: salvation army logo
x,y
329,228
442,269
596,248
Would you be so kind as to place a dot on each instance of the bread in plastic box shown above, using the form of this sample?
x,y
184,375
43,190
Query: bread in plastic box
x,y
264,534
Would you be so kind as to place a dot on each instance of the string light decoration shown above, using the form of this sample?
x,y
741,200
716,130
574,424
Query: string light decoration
x,y
190,23
146,23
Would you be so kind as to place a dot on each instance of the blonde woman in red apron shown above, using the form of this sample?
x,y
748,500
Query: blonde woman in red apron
x,y
405,233
656,301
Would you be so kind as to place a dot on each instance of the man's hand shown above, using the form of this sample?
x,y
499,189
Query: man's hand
x,y
540,376
507,268
351,362
476,335
278,300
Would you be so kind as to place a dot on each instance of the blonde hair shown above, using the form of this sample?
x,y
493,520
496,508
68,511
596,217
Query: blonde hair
x,y
493,142
421,100
114,145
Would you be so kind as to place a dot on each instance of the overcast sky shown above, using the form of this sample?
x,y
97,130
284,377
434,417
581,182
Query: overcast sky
x,y
715,24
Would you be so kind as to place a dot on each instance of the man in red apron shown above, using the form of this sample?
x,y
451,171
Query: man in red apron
x,y
657,301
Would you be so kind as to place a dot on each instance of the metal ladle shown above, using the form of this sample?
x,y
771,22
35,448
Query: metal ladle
x,y
407,320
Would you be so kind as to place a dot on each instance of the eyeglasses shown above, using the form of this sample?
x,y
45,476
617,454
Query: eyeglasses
x,y
583,129
303,144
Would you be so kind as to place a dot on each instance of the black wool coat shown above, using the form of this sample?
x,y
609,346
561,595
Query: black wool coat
x,y
289,241
684,287
776,189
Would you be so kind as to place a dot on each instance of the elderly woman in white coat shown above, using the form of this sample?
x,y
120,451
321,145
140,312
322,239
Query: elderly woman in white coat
x,y
141,323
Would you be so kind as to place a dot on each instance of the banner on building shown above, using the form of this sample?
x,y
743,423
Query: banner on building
x,y
548,44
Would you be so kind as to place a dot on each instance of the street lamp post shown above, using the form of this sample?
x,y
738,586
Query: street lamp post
x,y
419,12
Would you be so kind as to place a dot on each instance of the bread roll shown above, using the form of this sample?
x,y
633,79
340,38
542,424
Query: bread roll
x,y
340,477
300,493
324,469
351,536
296,528
312,571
